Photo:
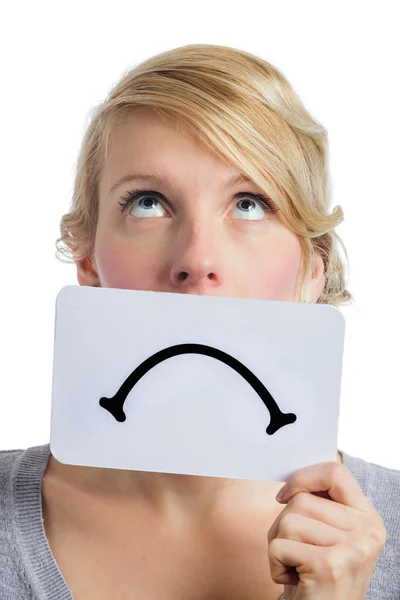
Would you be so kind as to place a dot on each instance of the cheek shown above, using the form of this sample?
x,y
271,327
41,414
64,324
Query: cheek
x,y
273,273
119,265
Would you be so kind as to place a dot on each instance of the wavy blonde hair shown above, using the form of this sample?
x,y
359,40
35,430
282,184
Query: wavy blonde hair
x,y
243,110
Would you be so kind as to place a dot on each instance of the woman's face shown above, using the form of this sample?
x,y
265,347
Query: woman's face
x,y
191,232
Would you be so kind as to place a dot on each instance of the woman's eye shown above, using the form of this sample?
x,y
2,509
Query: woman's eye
x,y
250,209
146,206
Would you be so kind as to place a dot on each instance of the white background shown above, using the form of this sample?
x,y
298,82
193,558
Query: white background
x,y
59,61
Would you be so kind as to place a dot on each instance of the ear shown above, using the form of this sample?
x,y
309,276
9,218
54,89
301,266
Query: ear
x,y
318,278
87,273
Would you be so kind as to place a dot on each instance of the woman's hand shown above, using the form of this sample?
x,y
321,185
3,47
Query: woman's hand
x,y
326,542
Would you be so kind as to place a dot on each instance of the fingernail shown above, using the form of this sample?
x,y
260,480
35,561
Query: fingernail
x,y
280,495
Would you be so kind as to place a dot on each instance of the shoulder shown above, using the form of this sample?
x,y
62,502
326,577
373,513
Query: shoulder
x,y
381,486
19,465
20,487
8,460
21,471
9,556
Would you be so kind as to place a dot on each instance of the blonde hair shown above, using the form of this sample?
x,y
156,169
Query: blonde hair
x,y
243,110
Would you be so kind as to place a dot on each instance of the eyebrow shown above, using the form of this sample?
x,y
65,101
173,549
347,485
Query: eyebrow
x,y
232,181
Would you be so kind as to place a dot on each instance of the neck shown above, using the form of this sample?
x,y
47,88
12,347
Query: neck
x,y
166,493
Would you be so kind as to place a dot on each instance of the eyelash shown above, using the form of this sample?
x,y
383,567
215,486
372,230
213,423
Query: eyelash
x,y
134,195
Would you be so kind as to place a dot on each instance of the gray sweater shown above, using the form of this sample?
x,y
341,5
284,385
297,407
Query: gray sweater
x,y
28,570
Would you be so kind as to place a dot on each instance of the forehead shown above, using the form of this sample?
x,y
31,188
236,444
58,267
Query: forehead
x,y
147,142
151,121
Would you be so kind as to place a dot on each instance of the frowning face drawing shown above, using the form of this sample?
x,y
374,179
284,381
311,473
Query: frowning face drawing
x,y
115,404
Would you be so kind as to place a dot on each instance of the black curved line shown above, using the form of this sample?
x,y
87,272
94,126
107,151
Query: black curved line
x,y
115,404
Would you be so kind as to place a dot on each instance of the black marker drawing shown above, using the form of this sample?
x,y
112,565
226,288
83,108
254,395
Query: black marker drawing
x,y
115,404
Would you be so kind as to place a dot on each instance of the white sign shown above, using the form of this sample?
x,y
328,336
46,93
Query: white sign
x,y
198,385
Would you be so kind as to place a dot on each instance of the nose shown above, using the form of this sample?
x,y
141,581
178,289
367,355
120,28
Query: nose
x,y
194,268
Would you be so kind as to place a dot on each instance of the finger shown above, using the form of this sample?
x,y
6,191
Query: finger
x,y
292,526
287,558
320,509
331,477
311,564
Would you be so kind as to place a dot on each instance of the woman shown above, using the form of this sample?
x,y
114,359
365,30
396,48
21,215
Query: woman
x,y
201,173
